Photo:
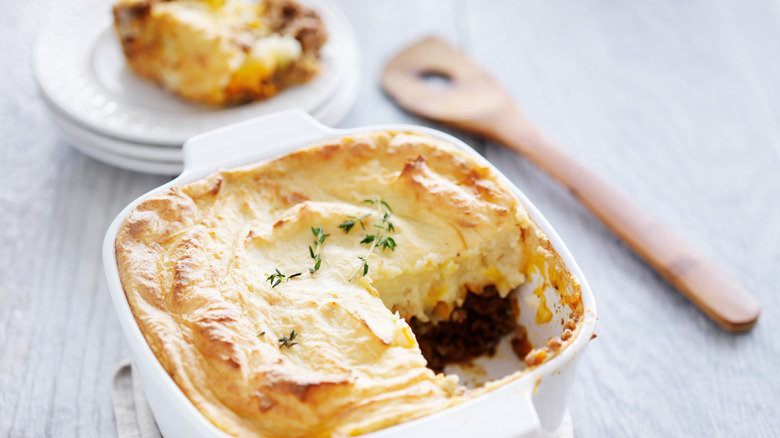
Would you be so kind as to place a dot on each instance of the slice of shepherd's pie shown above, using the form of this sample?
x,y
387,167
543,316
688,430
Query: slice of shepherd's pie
x,y
304,296
221,52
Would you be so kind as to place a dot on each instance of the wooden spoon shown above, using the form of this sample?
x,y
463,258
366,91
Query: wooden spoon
x,y
471,100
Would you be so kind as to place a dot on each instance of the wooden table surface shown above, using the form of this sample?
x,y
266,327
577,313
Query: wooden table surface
x,y
677,103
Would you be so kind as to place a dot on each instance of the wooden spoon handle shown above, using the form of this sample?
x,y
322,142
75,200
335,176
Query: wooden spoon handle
x,y
716,293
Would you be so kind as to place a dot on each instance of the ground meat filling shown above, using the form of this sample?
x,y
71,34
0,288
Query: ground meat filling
x,y
472,330
287,17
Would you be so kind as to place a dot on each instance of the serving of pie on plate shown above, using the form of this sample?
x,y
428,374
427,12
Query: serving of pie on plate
x,y
320,293
221,52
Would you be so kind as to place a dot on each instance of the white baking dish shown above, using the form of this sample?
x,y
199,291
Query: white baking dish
x,y
526,405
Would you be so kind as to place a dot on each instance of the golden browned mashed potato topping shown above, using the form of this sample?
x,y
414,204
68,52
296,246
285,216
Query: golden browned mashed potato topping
x,y
220,52
277,295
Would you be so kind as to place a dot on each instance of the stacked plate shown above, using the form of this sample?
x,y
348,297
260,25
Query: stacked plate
x,y
110,114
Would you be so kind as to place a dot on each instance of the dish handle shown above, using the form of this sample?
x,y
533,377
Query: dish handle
x,y
256,139
505,412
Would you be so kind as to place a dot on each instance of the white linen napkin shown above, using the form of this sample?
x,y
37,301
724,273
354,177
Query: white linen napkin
x,y
133,416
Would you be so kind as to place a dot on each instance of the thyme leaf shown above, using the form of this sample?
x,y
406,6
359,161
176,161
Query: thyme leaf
x,y
288,341
389,210
277,277
387,242
351,221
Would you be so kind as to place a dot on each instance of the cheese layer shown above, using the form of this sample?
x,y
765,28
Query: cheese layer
x,y
195,263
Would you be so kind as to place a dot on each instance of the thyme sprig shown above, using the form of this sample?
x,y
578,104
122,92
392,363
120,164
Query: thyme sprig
x,y
379,200
380,238
276,278
319,239
348,224
288,341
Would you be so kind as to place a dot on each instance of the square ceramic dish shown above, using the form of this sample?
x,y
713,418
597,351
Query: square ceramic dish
x,y
525,404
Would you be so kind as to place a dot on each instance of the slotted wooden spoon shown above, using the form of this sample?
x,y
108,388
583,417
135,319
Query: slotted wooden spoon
x,y
471,100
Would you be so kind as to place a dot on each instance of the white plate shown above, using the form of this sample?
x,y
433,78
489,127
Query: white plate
x,y
332,112
94,146
163,160
80,68
93,140
167,159
154,168
156,159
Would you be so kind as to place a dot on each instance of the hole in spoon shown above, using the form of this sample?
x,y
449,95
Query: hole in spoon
x,y
436,80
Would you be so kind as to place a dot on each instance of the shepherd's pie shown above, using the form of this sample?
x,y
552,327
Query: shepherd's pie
x,y
277,295
221,52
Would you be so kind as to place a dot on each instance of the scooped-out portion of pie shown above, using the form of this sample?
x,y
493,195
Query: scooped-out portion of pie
x,y
281,296
221,52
